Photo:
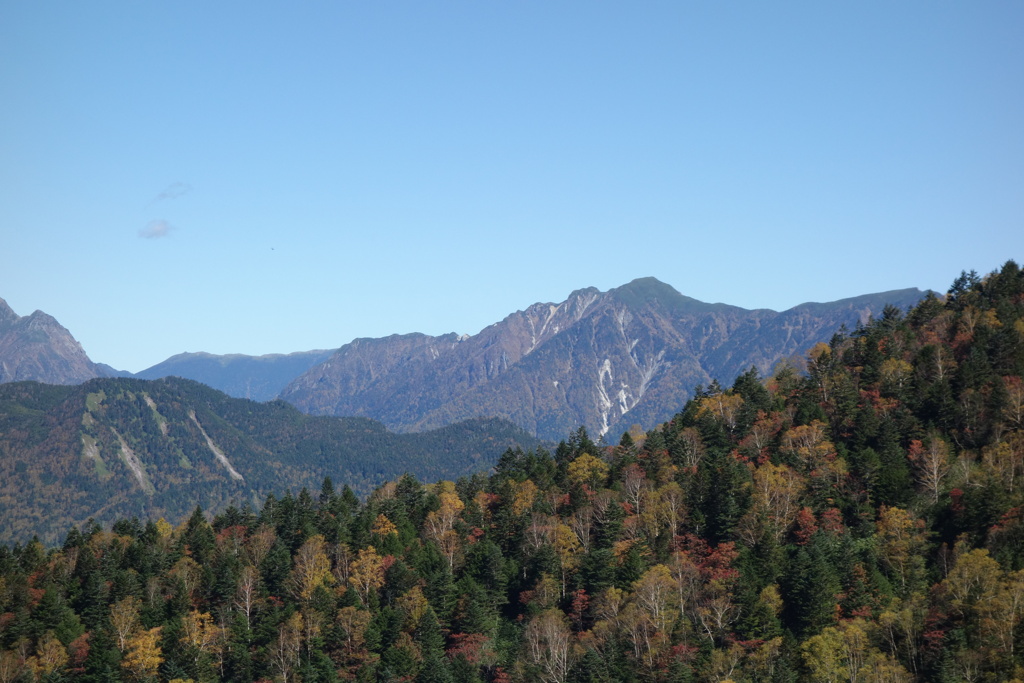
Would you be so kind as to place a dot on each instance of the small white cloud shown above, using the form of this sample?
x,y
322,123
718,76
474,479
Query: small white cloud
x,y
173,191
156,229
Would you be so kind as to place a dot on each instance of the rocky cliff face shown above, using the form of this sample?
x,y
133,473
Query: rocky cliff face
x,y
604,360
36,347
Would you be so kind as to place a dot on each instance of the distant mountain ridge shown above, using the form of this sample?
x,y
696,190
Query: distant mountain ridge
x,y
259,378
604,360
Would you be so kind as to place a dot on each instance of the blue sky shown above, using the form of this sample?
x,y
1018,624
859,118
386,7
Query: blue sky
x,y
268,177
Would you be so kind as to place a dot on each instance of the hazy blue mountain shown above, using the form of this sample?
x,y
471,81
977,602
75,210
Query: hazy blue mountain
x,y
260,378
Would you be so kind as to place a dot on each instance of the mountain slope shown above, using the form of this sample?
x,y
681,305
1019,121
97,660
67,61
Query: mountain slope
x,y
113,448
604,360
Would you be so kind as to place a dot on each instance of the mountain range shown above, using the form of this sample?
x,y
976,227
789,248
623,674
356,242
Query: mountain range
x,y
603,360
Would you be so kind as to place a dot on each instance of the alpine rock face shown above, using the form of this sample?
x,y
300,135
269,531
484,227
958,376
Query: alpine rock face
x,y
604,360
36,347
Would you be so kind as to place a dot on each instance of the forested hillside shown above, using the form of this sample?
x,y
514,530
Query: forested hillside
x,y
859,519
113,448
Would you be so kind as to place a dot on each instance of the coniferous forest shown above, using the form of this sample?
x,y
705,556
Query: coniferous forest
x,y
858,516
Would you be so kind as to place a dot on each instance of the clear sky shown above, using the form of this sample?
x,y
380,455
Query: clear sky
x,y
257,177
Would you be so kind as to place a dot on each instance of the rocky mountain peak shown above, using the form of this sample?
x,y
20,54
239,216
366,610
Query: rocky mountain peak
x,y
646,289
7,316
37,347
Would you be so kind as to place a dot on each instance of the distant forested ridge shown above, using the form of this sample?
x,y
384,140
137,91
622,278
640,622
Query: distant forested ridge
x,y
858,519
116,447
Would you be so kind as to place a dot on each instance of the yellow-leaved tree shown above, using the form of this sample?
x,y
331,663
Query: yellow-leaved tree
x,y
382,526
202,636
440,523
51,656
586,470
311,569
124,618
366,573
144,655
